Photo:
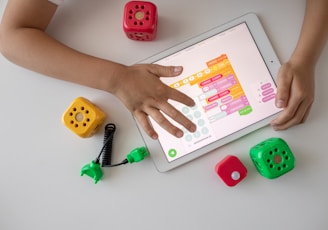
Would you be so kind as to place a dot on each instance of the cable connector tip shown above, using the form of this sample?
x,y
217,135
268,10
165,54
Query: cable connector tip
x,y
93,170
137,154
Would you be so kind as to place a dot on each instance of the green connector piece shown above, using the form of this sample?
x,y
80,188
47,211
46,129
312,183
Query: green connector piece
x,y
272,158
93,170
137,154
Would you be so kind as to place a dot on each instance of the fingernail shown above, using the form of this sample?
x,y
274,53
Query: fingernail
x,y
193,128
274,126
179,134
280,103
177,69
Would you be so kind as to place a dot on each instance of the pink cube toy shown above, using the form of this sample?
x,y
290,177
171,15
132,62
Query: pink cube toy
x,y
140,20
231,170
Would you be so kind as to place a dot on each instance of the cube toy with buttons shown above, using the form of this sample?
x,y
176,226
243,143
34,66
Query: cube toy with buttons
x,y
272,158
83,117
231,170
140,20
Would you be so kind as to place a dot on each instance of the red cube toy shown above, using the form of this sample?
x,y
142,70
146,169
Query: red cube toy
x,y
231,170
140,20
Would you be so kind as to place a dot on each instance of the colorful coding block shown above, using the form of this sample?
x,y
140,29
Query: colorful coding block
x,y
231,170
221,91
272,158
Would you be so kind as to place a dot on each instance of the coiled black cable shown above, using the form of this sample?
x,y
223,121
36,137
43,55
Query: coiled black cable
x,y
106,151
108,144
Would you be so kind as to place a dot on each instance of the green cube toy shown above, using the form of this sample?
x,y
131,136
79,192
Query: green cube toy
x,y
272,158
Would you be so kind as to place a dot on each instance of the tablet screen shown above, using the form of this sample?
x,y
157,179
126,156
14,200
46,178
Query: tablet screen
x,y
230,83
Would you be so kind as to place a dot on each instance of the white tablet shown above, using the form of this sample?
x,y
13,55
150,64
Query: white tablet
x,y
230,72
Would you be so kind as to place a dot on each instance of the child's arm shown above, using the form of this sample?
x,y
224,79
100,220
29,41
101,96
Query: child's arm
x,y
296,77
23,41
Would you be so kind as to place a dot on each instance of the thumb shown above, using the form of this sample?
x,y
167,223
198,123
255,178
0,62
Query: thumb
x,y
284,80
166,71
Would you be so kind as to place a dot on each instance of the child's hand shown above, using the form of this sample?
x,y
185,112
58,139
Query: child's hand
x,y
143,93
295,94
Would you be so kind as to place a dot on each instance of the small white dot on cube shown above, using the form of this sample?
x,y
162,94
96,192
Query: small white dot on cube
x,y
139,15
79,117
235,175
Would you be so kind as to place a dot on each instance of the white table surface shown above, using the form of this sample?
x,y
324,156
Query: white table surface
x,y
41,186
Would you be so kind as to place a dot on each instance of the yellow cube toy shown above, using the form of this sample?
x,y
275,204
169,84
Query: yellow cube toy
x,y
83,117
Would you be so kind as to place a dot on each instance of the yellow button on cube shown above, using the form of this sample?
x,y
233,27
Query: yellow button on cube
x,y
83,117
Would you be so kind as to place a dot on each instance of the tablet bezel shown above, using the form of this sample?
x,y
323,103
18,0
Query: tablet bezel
x,y
271,60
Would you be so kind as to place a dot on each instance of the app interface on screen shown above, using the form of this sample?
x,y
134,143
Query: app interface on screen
x,y
230,84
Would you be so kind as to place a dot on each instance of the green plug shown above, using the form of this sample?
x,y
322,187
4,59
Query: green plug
x,y
93,170
137,154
